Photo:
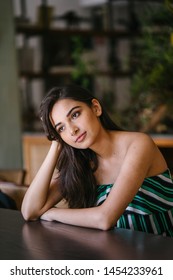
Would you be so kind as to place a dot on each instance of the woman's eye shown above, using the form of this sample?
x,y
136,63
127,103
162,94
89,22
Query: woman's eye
x,y
61,129
75,115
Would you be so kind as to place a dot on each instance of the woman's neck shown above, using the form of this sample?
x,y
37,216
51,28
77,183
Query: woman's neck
x,y
104,147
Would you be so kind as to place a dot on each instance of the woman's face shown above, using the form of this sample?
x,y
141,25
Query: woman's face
x,y
77,123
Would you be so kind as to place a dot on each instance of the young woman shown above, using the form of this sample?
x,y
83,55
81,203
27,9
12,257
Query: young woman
x,y
109,177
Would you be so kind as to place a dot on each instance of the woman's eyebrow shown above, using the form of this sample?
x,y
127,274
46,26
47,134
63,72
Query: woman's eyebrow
x,y
76,107
68,114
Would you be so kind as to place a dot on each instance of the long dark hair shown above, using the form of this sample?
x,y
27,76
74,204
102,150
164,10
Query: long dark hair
x,y
76,166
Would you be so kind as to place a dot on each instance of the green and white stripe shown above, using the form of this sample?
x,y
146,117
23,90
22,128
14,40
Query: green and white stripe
x,y
151,210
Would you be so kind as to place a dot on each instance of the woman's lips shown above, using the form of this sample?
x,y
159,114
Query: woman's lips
x,y
81,137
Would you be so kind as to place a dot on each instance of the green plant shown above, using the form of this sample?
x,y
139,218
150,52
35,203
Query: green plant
x,y
152,82
84,64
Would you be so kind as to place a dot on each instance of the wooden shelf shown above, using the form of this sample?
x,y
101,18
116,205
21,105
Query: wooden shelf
x,y
40,74
68,72
163,141
36,30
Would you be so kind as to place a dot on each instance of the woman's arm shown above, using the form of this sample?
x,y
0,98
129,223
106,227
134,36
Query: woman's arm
x,y
42,194
141,157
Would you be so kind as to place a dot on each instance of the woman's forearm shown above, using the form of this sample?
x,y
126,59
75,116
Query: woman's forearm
x,y
38,192
93,217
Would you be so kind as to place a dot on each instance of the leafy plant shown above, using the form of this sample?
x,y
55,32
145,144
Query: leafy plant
x,y
152,82
83,67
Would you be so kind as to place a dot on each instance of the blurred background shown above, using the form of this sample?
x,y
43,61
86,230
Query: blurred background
x,y
122,51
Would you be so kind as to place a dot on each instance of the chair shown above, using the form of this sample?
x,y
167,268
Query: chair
x,y
16,176
12,184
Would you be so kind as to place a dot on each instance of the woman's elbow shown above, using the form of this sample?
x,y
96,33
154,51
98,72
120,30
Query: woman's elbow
x,y
28,216
105,223
105,226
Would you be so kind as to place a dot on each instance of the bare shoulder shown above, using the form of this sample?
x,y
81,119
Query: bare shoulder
x,y
139,147
142,150
142,138
137,139
144,145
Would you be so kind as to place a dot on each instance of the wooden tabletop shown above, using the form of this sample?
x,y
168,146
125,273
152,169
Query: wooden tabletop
x,y
51,240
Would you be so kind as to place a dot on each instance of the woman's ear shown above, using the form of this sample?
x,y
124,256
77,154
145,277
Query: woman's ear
x,y
96,107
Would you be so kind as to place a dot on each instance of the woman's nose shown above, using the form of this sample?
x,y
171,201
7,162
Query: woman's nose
x,y
74,131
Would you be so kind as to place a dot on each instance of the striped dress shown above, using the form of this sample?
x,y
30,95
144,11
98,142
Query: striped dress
x,y
151,210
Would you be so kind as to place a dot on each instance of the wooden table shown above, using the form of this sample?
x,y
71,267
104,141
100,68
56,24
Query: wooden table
x,y
50,240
